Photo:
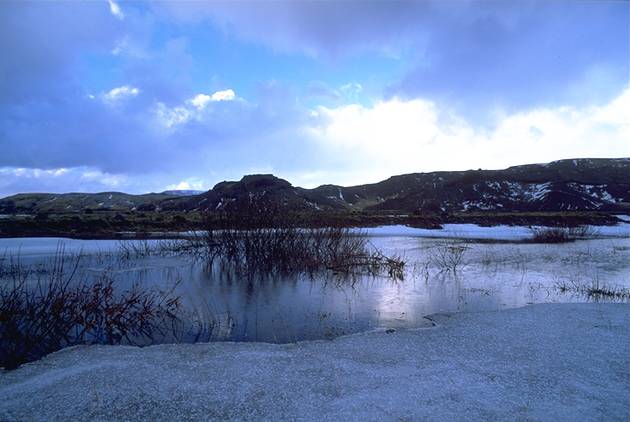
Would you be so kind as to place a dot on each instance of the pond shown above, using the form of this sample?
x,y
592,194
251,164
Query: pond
x,y
497,270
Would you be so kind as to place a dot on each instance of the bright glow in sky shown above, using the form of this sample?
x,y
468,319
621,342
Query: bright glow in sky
x,y
137,97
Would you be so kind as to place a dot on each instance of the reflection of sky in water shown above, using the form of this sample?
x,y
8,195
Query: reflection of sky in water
x,y
495,276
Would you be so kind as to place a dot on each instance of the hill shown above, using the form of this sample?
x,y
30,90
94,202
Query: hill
x,y
565,185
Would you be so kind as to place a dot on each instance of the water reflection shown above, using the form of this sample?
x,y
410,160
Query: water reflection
x,y
302,307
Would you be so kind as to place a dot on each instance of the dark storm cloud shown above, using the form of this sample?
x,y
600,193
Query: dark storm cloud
x,y
312,27
76,131
50,119
47,119
513,54
545,54
42,41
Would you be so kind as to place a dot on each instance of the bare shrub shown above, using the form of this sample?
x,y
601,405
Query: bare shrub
x,y
583,232
265,240
560,234
488,257
448,257
131,250
595,290
42,315
128,250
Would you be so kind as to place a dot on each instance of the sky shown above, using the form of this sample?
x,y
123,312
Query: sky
x,y
145,96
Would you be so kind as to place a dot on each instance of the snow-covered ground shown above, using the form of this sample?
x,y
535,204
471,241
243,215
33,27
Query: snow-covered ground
x,y
474,231
623,217
541,362
462,231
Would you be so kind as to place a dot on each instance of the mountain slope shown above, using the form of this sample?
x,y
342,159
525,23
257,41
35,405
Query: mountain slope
x,y
565,185
33,203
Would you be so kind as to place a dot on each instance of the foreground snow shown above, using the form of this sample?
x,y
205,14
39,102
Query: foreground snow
x,y
542,362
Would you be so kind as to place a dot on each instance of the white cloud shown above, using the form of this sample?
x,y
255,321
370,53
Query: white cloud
x,y
120,93
188,184
170,117
122,46
351,89
32,173
60,180
131,48
115,10
91,179
191,109
201,100
107,180
396,136
183,185
225,95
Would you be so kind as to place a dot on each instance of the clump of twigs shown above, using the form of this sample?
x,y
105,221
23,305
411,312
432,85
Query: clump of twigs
x,y
131,250
560,234
448,257
266,241
595,290
55,310
128,250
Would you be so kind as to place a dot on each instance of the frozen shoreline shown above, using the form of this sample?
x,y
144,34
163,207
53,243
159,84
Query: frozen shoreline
x,y
476,232
544,362
32,246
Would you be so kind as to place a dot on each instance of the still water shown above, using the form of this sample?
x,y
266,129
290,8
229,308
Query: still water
x,y
498,271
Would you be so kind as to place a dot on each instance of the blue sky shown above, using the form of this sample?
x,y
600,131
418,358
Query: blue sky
x,y
147,96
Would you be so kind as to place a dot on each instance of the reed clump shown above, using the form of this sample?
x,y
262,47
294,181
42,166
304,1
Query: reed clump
x,y
268,241
595,290
560,234
42,312
448,257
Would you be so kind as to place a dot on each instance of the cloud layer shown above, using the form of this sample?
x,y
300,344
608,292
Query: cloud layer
x,y
404,136
144,96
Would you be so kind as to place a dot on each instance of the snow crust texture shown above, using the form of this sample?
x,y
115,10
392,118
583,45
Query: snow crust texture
x,y
542,362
